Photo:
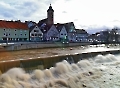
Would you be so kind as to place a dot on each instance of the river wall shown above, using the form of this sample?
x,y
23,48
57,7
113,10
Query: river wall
x,y
46,62
40,45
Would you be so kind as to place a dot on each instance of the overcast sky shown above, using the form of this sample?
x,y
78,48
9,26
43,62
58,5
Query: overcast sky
x,y
92,15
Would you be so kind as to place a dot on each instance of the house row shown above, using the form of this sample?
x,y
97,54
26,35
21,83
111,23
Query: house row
x,y
57,32
13,31
44,30
106,36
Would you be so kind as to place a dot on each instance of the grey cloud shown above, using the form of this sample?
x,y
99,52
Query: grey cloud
x,y
6,10
75,19
7,14
47,2
93,28
64,12
24,9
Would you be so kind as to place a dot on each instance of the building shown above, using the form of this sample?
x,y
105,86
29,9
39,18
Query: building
x,y
70,28
13,31
66,30
50,16
36,34
63,35
81,35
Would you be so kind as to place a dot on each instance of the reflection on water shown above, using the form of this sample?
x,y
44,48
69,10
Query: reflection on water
x,y
98,72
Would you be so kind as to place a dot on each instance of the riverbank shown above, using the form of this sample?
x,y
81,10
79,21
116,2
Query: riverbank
x,y
51,52
46,58
25,46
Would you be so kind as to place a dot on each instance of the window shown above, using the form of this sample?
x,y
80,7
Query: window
x,y
15,34
35,34
15,30
36,31
20,34
4,38
61,34
25,34
6,34
39,34
32,34
4,29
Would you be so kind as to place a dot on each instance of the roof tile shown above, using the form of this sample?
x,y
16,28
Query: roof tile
x,y
13,25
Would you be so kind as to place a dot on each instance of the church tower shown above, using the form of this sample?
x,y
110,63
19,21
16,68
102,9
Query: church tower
x,y
50,16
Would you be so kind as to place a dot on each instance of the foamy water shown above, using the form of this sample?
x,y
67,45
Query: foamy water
x,y
98,72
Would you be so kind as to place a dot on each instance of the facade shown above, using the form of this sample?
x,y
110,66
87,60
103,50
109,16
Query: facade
x,y
36,34
81,35
13,31
72,37
67,31
63,35
71,31
52,34
30,23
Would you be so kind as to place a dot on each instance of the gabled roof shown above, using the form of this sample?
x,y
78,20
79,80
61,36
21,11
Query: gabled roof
x,y
81,31
66,25
42,22
45,28
59,26
31,28
13,25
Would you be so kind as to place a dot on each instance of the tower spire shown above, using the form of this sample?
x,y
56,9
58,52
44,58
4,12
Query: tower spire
x,y
50,15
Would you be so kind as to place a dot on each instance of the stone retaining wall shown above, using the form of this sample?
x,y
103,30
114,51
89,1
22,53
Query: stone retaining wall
x,y
42,45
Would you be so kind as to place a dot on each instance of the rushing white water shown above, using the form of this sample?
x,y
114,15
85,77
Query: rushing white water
x,y
98,72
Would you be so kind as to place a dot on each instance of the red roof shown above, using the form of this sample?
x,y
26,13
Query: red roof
x,y
13,25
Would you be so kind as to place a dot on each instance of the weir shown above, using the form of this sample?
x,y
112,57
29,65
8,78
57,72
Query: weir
x,y
85,70
31,64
